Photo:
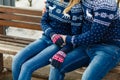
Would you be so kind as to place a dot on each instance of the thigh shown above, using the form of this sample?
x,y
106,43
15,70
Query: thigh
x,y
75,59
102,61
42,58
31,50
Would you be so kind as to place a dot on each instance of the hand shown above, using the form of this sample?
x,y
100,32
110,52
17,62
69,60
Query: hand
x,y
58,59
57,39
63,37
44,9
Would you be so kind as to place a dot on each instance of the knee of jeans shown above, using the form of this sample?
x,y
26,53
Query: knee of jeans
x,y
15,61
26,67
16,64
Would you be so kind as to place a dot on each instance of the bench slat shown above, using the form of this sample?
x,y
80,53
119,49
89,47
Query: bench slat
x,y
19,17
16,38
20,24
8,42
9,49
20,10
116,69
12,43
15,41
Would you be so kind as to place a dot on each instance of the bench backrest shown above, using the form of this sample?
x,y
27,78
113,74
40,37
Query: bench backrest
x,y
21,18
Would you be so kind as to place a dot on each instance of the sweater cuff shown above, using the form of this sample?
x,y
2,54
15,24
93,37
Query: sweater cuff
x,y
49,32
67,48
70,40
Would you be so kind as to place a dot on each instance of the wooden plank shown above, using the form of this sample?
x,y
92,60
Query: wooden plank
x,y
116,70
14,39
2,30
20,10
12,43
9,49
19,17
20,24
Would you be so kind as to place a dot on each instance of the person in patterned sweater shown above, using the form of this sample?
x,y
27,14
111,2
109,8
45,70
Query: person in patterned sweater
x,y
55,22
100,40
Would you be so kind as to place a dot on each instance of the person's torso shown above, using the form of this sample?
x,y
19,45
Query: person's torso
x,y
89,8
60,22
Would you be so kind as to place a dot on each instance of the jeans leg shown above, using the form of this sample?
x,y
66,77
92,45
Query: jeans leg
x,y
100,65
36,62
26,53
75,59
55,74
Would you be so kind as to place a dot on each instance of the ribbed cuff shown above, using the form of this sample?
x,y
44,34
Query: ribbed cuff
x,y
68,40
49,32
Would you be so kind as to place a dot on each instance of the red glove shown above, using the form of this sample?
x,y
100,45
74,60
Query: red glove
x,y
57,39
58,59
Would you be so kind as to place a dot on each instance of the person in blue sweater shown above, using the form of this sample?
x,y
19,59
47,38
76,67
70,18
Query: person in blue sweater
x,y
55,23
100,40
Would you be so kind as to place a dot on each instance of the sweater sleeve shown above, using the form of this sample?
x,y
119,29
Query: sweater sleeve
x,y
76,19
45,22
101,21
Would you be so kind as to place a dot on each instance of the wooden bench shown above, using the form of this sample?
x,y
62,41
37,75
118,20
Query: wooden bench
x,y
20,18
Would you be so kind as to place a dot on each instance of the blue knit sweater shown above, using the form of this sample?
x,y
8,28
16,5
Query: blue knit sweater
x,y
101,23
54,21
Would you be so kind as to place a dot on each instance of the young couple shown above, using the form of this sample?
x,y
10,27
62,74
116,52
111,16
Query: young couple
x,y
77,33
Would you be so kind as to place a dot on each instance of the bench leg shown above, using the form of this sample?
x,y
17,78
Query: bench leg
x,y
1,62
2,31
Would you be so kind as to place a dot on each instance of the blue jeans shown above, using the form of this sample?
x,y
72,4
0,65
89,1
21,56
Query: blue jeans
x,y
32,57
102,58
75,59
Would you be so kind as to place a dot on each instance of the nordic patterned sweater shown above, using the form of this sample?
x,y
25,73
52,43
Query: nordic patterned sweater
x,y
54,21
101,23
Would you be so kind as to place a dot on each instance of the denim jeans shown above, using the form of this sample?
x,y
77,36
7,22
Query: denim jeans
x,y
102,58
32,57
75,59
